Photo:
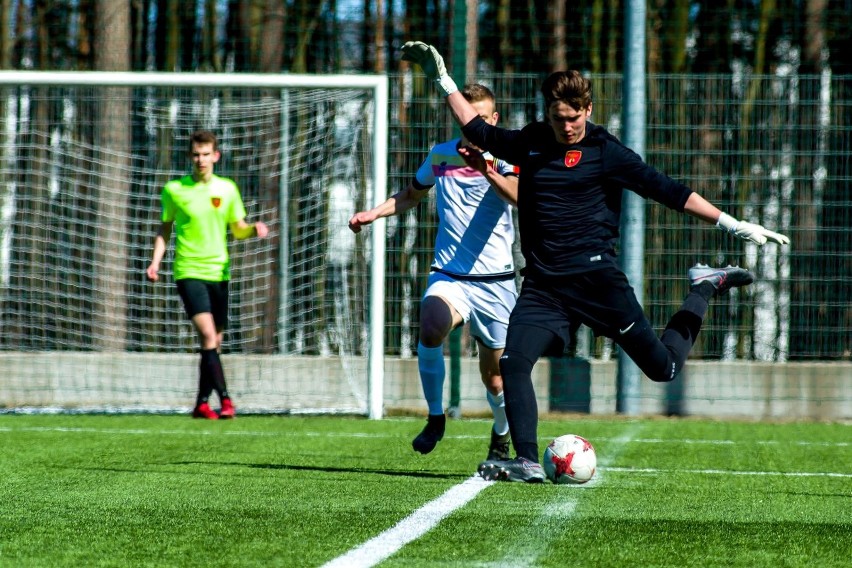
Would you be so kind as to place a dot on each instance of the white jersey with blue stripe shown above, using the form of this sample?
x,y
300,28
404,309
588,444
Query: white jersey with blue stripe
x,y
475,230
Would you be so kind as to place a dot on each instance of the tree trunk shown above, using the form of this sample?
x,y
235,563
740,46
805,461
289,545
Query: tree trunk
x,y
380,39
677,28
747,194
815,234
238,44
6,40
187,16
29,287
471,52
272,46
814,42
504,25
559,36
654,43
613,36
307,19
139,34
112,53
256,25
596,34
262,330
7,148
167,39
209,60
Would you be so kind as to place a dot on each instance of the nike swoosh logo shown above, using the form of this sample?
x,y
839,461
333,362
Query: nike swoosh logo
x,y
535,153
626,329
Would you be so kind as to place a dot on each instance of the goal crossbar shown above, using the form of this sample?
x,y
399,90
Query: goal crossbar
x,y
164,79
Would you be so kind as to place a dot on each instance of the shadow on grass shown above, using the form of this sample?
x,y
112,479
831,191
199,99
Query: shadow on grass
x,y
330,469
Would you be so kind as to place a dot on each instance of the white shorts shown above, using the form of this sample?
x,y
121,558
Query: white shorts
x,y
486,305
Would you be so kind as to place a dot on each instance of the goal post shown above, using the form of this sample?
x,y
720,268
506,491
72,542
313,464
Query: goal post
x,y
83,158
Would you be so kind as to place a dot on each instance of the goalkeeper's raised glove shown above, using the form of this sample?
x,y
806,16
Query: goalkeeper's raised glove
x,y
750,232
428,58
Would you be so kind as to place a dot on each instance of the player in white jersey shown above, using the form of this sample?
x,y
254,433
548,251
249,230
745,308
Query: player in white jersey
x,y
472,275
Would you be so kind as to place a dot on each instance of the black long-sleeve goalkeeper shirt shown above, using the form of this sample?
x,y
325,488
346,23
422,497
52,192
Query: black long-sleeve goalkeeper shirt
x,y
569,196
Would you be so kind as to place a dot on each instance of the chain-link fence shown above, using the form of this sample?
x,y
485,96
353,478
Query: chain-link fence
x,y
769,149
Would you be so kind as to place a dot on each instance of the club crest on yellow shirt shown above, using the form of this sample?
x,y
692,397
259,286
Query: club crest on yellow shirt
x,y
216,201
572,158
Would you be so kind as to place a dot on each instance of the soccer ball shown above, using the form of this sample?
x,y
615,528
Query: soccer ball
x,y
569,459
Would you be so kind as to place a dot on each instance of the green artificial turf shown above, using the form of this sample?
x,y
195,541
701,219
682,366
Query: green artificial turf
x,y
148,490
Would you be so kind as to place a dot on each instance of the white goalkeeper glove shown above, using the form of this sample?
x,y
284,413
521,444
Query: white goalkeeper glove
x,y
428,58
749,231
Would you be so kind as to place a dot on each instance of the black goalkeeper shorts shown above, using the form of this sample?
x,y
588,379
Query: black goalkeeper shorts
x,y
202,296
601,299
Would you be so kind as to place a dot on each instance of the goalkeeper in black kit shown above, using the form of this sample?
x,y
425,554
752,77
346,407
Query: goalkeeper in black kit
x,y
573,174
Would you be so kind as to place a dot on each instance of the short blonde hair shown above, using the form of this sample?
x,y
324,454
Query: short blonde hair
x,y
474,92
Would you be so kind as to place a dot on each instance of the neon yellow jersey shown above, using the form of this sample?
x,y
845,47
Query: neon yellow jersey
x,y
201,213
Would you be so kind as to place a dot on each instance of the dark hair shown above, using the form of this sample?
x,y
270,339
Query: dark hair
x,y
569,87
203,137
474,92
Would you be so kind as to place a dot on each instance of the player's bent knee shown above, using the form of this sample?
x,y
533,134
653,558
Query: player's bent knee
x,y
515,363
493,383
431,341
659,366
663,376
432,335
651,356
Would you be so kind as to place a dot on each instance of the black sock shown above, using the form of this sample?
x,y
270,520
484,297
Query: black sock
x,y
211,362
686,322
706,290
521,405
205,383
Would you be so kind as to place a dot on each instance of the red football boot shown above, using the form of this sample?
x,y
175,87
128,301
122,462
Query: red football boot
x,y
228,410
203,410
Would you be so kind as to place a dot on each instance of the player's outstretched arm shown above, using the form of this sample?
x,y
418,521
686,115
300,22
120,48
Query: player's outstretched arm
x,y
699,207
432,64
750,231
394,205
505,186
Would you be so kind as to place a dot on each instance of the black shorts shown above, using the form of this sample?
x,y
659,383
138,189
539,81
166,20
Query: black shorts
x,y
602,300
202,296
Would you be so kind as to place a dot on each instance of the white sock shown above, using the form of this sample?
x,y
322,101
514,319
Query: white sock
x,y
430,362
498,406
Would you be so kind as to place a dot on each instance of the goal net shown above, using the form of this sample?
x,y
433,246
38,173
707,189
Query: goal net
x,y
83,160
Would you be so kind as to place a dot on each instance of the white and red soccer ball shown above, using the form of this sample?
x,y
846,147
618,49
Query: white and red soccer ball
x,y
569,459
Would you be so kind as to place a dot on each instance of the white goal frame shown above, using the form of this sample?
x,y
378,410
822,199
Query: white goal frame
x,y
378,84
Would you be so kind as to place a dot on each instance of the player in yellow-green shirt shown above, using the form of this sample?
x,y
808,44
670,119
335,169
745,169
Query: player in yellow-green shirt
x,y
200,208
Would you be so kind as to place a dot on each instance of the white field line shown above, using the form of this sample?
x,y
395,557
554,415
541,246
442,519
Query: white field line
x,y
611,454
410,528
529,542
655,471
290,433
